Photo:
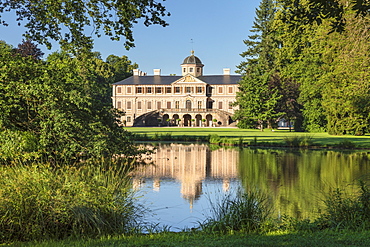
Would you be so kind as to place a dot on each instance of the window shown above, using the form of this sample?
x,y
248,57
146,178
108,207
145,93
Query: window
x,y
149,90
199,104
139,105
129,105
168,90
139,90
230,105
230,89
119,105
198,70
191,70
158,90
168,105
188,89
184,70
219,89
128,90
159,105
128,119
177,90
119,90
177,104
199,90
219,105
149,105
210,90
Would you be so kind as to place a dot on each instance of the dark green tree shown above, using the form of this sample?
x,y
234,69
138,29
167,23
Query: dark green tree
x,y
259,95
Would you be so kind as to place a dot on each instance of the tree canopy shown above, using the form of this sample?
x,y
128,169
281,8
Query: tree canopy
x,y
59,108
68,21
322,73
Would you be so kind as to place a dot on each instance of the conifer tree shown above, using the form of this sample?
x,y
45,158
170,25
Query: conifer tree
x,y
259,93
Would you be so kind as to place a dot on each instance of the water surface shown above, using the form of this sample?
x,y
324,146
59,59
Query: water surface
x,y
185,179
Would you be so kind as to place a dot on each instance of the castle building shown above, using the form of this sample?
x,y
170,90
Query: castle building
x,y
192,99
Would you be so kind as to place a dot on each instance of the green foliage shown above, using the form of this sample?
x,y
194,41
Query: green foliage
x,y
67,21
40,202
265,96
330,68
247,211
121,67
64,103
17,145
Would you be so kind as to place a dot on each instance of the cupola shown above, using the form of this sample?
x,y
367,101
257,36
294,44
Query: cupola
x,y
192,65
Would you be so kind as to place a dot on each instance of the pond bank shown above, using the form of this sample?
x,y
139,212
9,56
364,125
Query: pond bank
x,y
250,137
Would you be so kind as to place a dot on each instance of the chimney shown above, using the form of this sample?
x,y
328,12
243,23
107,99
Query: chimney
x,y
226,71
157,71
136,72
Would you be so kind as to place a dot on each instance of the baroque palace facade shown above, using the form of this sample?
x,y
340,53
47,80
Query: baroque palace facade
x,y
192,99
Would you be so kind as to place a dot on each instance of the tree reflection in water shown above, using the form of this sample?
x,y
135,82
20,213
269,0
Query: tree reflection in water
x,y
296,181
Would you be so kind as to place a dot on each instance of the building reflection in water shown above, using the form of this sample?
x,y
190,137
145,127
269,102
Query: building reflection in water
x,y
189,165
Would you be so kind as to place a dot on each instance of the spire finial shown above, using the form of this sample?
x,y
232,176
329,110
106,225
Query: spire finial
x,y
192,48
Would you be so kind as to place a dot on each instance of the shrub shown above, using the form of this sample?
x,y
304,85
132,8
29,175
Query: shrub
x,y
346,144
41,202
298,141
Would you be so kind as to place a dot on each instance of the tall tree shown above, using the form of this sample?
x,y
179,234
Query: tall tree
x,y
299,62
67,21
348,84
330,67
259,95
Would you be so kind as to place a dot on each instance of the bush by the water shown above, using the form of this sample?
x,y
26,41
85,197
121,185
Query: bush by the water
x,y
298,141
42,202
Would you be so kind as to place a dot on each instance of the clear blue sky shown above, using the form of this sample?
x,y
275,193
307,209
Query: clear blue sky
x,y
216,27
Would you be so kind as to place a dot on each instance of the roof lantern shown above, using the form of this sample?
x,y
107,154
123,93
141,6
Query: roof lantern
x,y
192,65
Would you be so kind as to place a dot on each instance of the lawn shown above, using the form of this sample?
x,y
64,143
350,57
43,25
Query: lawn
x,y
321,238
249,135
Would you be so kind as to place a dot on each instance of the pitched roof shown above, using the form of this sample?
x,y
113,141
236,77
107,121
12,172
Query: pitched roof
x,y
168,80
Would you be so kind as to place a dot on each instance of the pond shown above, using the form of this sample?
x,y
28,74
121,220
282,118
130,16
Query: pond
x,y
185,179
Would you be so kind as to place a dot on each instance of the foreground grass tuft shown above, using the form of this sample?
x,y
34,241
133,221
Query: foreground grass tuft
x,y
41,202
246,211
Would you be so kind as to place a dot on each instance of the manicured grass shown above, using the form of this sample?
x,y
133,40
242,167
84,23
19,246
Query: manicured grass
x,y
250,135
321,238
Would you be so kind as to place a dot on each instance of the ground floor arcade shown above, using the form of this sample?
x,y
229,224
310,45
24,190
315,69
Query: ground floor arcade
x,y
185,118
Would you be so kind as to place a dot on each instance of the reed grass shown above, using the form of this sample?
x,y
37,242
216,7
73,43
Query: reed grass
x,y
244,211
41,202
347,211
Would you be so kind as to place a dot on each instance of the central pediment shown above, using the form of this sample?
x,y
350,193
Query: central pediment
x,y
188,79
